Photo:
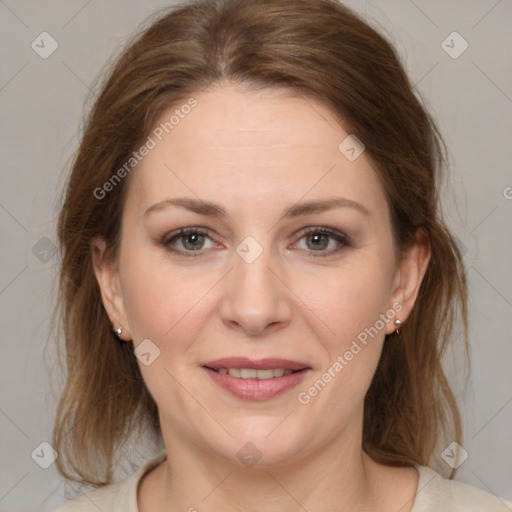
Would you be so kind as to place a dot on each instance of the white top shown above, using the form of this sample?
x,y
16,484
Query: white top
x,y
435,494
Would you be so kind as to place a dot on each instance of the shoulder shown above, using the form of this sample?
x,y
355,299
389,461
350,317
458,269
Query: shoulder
x,y
439,494
105,498
117,497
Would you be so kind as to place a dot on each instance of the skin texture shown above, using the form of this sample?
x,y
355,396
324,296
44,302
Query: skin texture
x,y
256,154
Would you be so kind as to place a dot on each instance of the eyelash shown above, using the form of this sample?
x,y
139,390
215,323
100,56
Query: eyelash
x,y
341,238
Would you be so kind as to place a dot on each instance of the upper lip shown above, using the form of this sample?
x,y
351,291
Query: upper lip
x,y
257,364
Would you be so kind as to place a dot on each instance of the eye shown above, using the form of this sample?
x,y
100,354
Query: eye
x,y
191,240
318,239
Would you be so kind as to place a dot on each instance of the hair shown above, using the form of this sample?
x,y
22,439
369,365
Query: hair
x,y
318,49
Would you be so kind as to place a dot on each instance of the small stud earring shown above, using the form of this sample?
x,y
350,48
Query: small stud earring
x,y
398,324
118,331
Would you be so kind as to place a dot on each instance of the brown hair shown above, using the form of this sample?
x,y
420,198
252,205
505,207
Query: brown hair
x,y
318,49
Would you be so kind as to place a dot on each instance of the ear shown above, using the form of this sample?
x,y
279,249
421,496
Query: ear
x,y
107,274
409,276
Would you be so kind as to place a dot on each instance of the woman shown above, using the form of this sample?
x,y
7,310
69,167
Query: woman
x,y
254,271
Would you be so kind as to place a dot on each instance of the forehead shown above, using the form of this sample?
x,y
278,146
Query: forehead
x,y
251,148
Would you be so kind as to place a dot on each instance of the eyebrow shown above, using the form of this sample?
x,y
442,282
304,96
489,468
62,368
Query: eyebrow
x,y
209,209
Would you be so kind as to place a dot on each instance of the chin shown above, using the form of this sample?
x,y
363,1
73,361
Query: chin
x,y
262,441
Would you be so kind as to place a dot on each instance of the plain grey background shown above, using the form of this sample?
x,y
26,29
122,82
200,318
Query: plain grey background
x,y
42,107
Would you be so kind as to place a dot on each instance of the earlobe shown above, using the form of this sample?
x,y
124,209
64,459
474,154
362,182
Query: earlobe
x,y
107,276
410,273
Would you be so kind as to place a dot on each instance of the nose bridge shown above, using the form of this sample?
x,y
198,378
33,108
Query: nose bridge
x,y
252,262
255,297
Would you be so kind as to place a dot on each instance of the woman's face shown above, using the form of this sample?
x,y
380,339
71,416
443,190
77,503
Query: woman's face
x,y
288,266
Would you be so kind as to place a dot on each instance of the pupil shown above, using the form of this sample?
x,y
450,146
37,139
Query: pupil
x,y
194,238
319,237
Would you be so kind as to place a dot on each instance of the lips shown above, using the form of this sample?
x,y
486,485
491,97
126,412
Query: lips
x,y
252,380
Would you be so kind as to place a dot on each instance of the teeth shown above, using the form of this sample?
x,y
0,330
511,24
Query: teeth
x,y
234,372
251,373
247,374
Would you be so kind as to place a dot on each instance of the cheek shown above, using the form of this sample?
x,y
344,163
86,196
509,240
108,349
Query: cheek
x,y
357,307
159,300
353,298
352,308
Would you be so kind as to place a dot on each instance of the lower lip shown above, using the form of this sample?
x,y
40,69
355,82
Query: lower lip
x,y
254,389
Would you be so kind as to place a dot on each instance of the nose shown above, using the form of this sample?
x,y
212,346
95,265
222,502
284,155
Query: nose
x,y
255,299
